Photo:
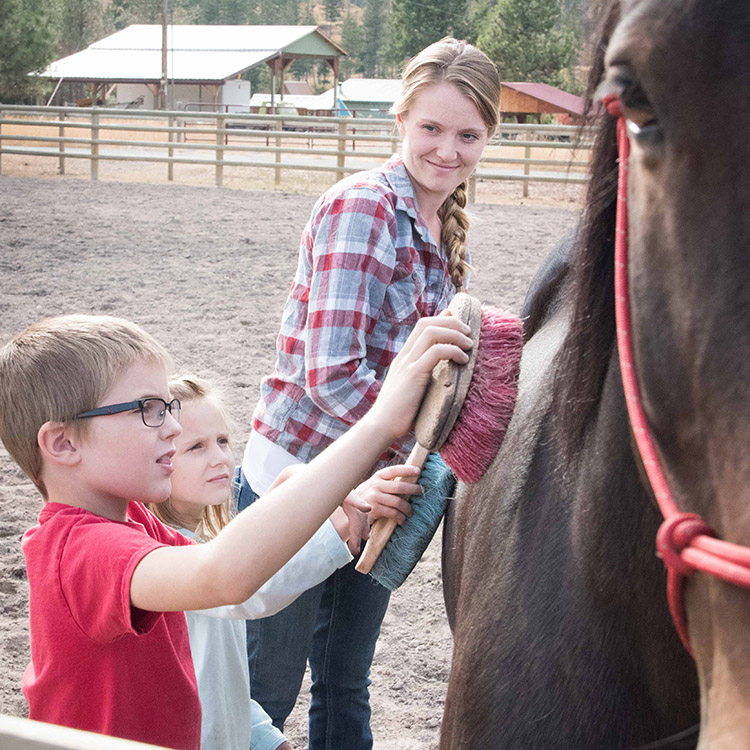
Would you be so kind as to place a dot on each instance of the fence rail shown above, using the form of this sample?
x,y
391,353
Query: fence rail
x,y
24,734
219,140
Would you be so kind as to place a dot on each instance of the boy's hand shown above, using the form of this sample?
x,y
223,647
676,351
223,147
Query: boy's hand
x,y
383,492
433,339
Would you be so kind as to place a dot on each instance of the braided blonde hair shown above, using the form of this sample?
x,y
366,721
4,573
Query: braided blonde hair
x,y
475,76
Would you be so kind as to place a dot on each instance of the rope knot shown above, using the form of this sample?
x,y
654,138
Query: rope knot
x,y
613,105
675,534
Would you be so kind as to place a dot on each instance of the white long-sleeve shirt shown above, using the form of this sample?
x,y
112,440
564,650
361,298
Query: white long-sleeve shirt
x,y
217,642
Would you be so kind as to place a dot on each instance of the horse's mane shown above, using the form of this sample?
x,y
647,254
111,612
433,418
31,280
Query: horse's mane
x,y
582,364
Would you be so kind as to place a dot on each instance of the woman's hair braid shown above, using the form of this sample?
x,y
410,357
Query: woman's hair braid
x,y
455,225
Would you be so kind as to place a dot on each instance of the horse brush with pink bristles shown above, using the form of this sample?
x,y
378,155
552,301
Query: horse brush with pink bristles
x,y
464,414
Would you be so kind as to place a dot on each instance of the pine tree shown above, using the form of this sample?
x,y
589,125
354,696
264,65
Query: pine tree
x,y
81,22
332,9
221,11
353,41
418,23
522,37
478,12
374,37
27,43
276,12
127,12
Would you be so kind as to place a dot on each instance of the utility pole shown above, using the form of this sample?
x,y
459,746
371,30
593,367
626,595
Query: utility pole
x,y
164,16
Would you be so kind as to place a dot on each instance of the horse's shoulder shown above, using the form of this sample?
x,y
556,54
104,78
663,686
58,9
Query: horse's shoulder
x,y
544,293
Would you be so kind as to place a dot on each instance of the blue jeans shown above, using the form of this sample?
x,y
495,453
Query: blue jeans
x,y
335,625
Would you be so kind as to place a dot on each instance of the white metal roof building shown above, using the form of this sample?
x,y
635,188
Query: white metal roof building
x,y
375,91
357,96
366,96
307,102
203,55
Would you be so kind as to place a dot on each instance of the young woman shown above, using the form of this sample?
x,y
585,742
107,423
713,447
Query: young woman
x,y
382,249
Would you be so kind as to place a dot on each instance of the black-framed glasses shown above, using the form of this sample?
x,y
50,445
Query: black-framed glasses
x,y
153,410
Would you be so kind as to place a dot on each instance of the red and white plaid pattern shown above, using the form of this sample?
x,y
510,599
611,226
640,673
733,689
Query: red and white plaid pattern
x,y
368,270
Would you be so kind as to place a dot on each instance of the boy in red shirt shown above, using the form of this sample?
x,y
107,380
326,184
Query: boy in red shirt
x,y
86,412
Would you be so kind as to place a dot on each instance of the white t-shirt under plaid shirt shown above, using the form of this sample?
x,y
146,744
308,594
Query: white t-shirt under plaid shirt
x,y
368,270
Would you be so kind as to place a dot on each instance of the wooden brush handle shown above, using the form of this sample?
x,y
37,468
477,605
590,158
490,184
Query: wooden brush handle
x,y
381,530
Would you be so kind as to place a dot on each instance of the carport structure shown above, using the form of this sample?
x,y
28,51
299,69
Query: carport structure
x,y
200,55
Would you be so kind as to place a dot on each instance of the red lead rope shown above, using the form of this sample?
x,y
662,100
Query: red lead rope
x,y
684,541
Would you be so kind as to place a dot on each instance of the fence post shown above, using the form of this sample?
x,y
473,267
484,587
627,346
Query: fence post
x,y
61,133
526,170
219,151
278,125
94,144
473,188
341,156
170,150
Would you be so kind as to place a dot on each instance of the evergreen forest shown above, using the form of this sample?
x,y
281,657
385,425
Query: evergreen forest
x,y
529,40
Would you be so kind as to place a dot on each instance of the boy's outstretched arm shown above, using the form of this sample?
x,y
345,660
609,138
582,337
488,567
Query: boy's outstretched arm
x,y
231,567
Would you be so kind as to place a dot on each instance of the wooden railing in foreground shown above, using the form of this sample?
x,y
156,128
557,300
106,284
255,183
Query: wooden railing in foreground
x,y
23,734
222,140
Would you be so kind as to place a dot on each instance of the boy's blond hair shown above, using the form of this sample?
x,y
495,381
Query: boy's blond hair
x,y
61,367
189,388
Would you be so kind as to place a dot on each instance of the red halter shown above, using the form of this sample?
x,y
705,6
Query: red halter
x,y
684,541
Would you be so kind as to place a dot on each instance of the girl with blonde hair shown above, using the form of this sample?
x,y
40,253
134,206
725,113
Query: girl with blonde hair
x,y
382,249
201,504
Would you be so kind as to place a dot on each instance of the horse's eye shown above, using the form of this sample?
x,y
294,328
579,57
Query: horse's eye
x,y
643,122
648,134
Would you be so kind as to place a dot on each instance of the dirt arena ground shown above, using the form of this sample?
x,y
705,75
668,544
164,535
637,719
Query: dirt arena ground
x,y
206,270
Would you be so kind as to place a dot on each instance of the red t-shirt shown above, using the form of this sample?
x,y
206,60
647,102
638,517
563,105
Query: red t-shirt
x,y
96,662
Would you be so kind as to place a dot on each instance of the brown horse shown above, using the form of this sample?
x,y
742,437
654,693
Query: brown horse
x,y
557,601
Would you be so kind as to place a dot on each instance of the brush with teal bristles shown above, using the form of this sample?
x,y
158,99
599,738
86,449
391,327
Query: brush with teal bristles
x,y
464,415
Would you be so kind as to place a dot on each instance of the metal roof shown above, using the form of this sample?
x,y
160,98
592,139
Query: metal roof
x,y
301,101
200,54
571,103
381,90
301,88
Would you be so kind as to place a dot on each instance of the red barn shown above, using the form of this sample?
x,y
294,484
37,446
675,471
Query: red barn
x,y
520,100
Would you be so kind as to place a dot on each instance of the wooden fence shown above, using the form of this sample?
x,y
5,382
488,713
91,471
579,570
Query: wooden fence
x,y
280,142
23,734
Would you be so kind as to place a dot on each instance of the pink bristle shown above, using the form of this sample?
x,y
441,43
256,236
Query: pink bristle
x,y
480,428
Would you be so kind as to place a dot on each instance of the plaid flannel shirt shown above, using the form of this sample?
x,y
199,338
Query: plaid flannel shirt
x,y
368,270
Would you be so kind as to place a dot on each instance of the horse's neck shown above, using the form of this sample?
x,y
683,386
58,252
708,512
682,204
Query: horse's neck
x,y
516,451
563,540
544,294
